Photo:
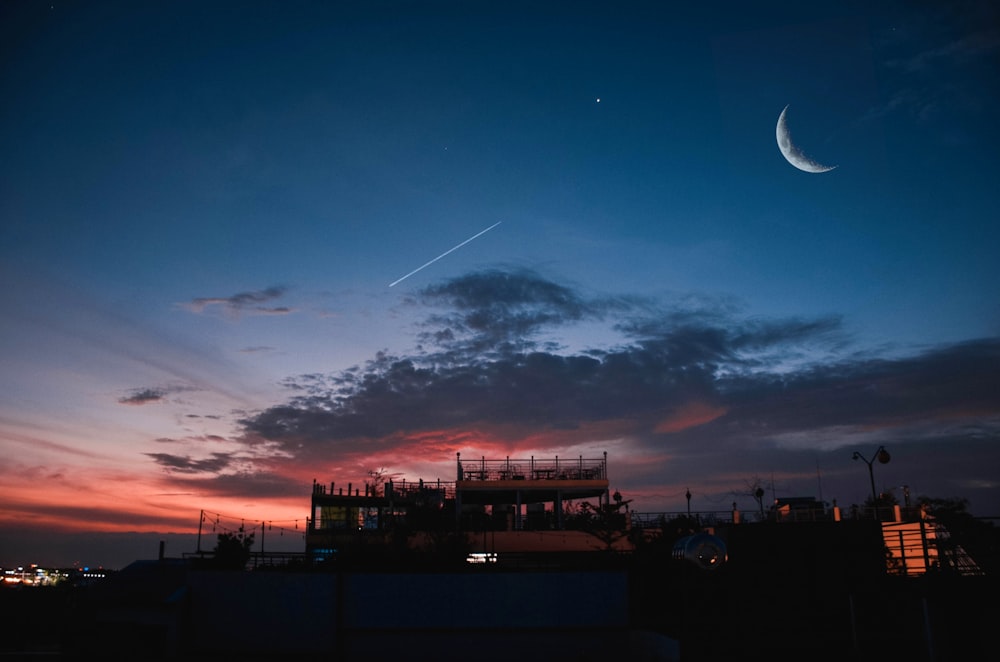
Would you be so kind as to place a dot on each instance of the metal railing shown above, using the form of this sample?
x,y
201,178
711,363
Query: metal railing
x,y
645,520
913,550
411,490
532,468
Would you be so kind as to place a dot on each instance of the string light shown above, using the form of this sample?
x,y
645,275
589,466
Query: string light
x,y
219,525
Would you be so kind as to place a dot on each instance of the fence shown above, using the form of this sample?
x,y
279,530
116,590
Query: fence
x,y
533,469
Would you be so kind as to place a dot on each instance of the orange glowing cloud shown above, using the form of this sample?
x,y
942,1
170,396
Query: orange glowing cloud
x,y
593,434
424,453
499,440
689,416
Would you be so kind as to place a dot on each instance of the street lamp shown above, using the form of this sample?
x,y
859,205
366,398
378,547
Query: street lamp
x,y
882,455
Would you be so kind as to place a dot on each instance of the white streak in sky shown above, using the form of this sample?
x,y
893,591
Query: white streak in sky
x,y
445,253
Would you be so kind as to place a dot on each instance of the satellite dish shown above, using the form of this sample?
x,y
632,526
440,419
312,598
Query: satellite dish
x,y
706,551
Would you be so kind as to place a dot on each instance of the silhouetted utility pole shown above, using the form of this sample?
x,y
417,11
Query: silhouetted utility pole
x,y
882,455
688,495
201,518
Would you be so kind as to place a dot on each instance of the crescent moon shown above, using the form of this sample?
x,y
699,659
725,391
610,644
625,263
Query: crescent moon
x,y
791,152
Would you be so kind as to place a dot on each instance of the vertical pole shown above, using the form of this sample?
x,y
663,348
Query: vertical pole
x,y
559,510
604,470
517,515
902,553
201,518
871,477
923,545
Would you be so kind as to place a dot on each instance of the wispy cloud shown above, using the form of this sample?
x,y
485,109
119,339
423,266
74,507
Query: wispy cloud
x,y
215,463
951,51
940,68
143,396
243,302
259,349
152,395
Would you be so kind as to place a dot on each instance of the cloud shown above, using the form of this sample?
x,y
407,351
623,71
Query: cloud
x,y
690,380
243,302
70,517
227,474
941,61
497,311
946,50
693,415
185,464
151,395
143,396
261,484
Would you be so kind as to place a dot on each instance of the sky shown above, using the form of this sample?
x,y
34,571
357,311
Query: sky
x,y
249,245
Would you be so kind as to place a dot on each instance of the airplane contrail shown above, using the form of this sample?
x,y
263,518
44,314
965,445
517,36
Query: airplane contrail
x,y
423,266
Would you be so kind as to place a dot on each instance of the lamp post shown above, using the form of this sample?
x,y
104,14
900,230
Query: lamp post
x,y
882,455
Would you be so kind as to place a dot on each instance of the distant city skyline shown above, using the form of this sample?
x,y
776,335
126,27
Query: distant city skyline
x,y
213,219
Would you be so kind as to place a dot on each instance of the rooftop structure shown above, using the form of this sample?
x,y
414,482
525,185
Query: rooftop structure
x,y
506,495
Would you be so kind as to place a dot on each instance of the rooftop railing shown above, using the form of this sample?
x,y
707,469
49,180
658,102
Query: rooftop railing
x,y
414,489
533,468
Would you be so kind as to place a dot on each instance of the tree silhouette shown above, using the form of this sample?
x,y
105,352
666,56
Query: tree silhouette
x,y
755,489
379,478
232,550
885,500
604,522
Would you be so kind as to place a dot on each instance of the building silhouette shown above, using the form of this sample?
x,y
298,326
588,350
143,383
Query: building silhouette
x,y
534,560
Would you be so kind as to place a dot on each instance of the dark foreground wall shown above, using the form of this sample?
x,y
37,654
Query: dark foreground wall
x,y
792,593
535,615
375,616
